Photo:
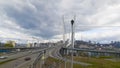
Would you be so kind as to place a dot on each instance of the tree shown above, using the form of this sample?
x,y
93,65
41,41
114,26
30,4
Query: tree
x,y
10,44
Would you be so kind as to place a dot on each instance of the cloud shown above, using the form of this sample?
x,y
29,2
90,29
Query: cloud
x,y
100,35
23,19
31,17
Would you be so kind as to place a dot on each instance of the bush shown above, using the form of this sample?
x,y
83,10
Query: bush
x,y
8,45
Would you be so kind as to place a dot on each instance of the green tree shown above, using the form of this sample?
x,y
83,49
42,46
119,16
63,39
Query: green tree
x,y
9,44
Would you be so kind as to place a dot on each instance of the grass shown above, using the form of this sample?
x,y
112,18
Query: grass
x,y
55,63
98,62
104,57
52,62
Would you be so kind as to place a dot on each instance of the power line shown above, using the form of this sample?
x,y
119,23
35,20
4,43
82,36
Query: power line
x,y
97,26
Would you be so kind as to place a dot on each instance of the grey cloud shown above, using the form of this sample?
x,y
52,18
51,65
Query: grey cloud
x,y
31,21
43,18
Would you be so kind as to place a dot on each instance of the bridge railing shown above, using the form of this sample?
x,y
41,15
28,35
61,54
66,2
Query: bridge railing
x,y
37,60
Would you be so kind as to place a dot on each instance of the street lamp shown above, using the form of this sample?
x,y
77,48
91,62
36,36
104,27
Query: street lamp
x,y
72,40
37,41
64,31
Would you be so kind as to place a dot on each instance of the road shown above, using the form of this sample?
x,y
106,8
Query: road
x,y
55,54
19,61
27,64
14,56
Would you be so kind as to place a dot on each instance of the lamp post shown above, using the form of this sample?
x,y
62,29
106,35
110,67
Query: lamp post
x,y
37,41
64,31
72,40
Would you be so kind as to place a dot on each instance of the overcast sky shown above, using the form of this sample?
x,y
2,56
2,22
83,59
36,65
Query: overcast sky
x,y
97,20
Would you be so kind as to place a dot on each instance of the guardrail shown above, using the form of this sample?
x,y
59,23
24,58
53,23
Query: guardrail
x,y
39,57
37,60
20,47
90,50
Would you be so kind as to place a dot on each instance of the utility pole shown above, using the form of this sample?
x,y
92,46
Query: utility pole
x,y
64,31
72,40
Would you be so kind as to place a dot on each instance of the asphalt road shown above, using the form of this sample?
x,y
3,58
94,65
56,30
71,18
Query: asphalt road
x,y
13,56
20,62
55,54
27,64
